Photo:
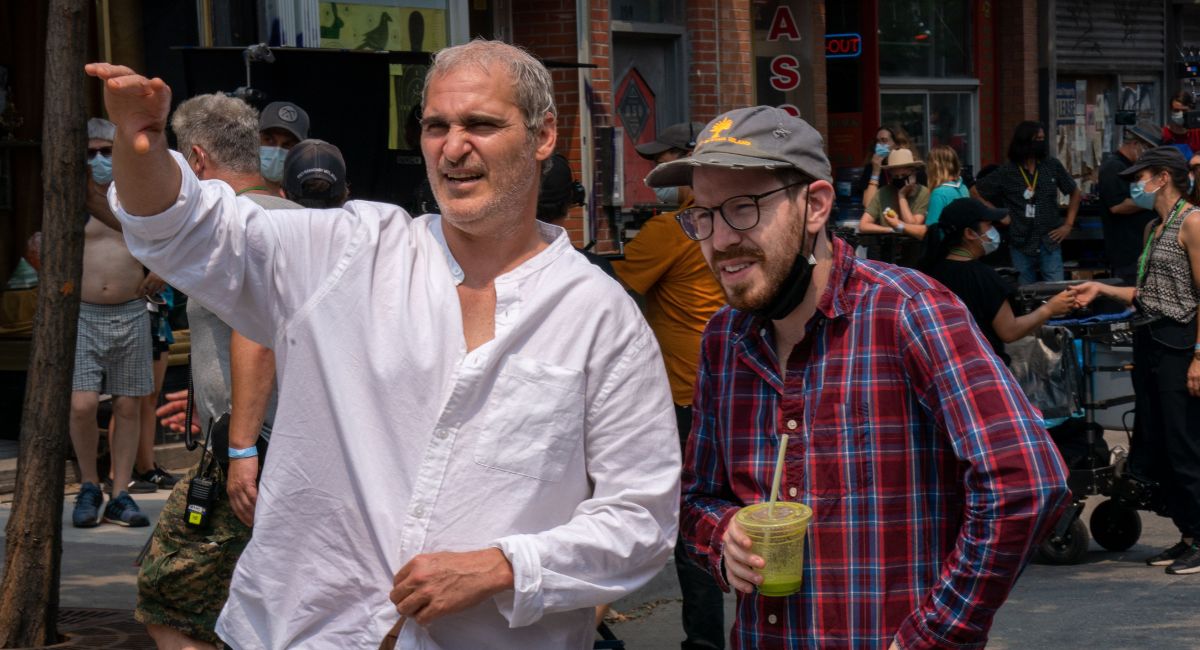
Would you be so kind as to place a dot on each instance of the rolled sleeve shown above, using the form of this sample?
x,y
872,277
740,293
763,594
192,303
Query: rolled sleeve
x,y
523,605
623,535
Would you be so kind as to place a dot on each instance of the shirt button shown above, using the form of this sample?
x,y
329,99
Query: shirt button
x,y
792,491
440,434
771,619
792,424
418,512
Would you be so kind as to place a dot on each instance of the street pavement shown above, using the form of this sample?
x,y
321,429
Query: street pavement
x,y
1111,601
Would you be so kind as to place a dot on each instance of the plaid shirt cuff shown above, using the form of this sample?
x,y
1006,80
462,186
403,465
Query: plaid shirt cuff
x,y
716,545
915,635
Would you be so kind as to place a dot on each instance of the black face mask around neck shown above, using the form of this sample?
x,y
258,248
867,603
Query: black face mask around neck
x,y
792,290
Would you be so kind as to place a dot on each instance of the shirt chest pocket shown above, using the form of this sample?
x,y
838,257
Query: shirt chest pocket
x,y
533,422
839,451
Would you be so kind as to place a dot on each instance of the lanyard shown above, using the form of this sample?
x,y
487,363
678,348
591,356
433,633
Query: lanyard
x,y
253,188
1029,185
1152,240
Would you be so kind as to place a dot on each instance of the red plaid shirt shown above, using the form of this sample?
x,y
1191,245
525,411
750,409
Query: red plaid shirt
x,y
929,474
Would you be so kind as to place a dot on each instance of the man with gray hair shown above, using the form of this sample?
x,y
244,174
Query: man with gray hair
x,y
112,348
184,578
446,460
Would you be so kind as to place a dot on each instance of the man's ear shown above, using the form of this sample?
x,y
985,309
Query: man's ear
x,y
820,205
199,161
547,137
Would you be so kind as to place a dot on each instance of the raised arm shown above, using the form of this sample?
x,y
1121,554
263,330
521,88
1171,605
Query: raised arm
x,y
147,181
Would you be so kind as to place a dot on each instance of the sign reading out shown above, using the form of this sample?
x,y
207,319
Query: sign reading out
x,y
843,46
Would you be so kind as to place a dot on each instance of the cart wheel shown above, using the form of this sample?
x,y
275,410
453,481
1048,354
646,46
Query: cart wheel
x,y
1068,549
1115,527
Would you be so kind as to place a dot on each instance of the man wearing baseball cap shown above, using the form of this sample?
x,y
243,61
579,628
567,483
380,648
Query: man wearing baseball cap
x,y
281,125
314,175
675,142
1124,222
928,473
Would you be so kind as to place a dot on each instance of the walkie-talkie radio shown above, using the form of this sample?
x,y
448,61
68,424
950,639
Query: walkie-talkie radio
x,y
201,499
205,489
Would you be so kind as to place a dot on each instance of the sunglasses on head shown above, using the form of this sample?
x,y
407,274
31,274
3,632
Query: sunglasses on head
x,y
103,151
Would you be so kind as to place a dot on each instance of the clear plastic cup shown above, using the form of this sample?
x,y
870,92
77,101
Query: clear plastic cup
x,y
778,538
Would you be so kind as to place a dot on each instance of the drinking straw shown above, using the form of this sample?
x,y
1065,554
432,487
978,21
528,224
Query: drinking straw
x,y
783,440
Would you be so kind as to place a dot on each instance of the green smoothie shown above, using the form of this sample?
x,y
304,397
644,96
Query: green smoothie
x,y
777,536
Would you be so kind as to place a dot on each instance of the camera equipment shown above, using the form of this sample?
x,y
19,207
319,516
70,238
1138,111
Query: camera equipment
x,y
259,53
1125,118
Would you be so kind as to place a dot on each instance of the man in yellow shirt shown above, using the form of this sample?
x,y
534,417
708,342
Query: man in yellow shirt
x,y
681,294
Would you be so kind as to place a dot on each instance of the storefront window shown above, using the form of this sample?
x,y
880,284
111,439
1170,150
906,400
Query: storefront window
x,y
934,118
924,38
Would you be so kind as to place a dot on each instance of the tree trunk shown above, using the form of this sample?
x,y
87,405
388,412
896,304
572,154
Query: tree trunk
x,y
29,592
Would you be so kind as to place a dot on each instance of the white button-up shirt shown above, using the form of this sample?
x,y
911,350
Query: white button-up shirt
x,y
555,441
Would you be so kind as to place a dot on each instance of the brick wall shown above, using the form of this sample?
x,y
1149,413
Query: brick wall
x,y
547,29
1017,67
720,75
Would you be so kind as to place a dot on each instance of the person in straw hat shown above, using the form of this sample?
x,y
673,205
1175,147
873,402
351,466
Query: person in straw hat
x,y
898,205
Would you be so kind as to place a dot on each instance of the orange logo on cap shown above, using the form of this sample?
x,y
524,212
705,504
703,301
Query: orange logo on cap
x,y
721,127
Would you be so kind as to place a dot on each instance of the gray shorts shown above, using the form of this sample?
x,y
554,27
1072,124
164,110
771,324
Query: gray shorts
x,y
112,349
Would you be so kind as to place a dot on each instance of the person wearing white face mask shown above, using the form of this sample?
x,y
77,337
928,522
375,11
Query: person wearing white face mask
x,y
965,232
1176,132
281,126
1166,355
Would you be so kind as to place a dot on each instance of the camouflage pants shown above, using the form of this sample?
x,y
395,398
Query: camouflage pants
x,y
184,580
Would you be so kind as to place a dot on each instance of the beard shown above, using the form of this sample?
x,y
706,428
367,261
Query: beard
x,y
775,264
490,214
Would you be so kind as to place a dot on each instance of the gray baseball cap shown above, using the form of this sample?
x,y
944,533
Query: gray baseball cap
x,y
760,137
286,116
682,136
1144,131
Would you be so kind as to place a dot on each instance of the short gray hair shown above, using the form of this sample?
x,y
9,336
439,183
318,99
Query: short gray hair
x,y
533,88
226,128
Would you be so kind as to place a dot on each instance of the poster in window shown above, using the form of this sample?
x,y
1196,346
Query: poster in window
x,y
362,26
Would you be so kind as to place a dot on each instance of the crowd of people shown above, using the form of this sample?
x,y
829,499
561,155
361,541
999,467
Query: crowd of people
x,y
478,437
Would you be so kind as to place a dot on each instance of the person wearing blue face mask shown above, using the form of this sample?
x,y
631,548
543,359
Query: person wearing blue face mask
x,y
965,232
888,138
675,142
1166,354
281,126
1124,222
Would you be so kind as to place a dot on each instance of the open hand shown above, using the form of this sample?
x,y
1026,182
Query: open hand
x,y
172,414
137,105
741,566
433,585
1060,233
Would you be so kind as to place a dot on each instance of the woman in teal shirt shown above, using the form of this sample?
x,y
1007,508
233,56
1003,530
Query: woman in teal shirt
x,y
945,179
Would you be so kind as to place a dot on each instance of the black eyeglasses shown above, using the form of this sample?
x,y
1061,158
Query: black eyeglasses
x,y
739,212
103,151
